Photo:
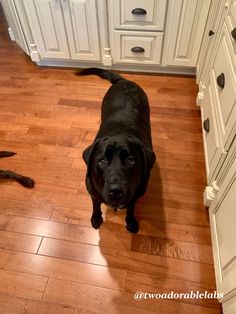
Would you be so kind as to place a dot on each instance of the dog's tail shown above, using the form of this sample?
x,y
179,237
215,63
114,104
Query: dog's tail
x,y
105,74
6,154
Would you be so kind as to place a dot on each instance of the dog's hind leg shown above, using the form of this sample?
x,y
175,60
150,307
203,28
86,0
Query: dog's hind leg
x,y
6,154
25,181
96,219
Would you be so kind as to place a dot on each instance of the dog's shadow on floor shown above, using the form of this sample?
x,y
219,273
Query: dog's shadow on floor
x,y
150,208
143,252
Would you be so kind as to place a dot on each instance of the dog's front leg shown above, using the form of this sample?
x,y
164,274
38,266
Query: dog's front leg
x,y
131,222
96,219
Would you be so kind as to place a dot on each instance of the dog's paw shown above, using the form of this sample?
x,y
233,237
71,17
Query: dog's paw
x,y
96,221
132,226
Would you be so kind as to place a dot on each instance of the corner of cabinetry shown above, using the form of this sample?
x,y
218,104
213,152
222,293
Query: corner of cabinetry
x,y
210,194
201,93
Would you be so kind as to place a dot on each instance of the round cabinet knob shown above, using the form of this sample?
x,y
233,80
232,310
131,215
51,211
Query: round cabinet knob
x,y
233,33
137,49
206,125
221,80
139,11
211,33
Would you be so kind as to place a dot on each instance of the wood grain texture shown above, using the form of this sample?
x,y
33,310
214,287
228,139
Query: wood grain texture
x,y
20,284
51,260
12,304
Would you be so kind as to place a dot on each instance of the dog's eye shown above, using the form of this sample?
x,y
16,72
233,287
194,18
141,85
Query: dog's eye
x,y
130,162
102,162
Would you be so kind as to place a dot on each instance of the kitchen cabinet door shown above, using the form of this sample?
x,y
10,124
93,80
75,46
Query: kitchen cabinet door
x,y
82,29
48,28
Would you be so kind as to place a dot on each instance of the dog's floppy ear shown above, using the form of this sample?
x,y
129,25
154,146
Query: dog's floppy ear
x,y
87,155
148,160
149,156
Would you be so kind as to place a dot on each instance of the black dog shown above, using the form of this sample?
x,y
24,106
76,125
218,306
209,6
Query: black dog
x,y
121,157
7,174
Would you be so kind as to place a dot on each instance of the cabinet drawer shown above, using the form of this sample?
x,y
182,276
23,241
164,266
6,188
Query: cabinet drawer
x,y
223,77
212,147
231,23
138,14
222,218
141,48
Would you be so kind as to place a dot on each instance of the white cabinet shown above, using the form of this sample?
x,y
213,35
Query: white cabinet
x,y
15,29
132,47
223,222
217,97
46,21
138,14
64,29
173,29
186,21
214,152
137,31
138,35
82,29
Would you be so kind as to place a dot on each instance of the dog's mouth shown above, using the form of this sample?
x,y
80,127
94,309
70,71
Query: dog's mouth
x,y
117,204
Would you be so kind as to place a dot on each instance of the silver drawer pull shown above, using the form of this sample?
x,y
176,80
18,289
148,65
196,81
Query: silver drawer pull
x,y
138,49
206,125
233,33
221,80
139,11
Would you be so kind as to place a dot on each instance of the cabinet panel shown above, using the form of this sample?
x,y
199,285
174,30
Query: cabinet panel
x,y
137,47
185,25
47,23
226,94
214,26
223,221
225,218
14,22
231,22
152,17
82,29
214,153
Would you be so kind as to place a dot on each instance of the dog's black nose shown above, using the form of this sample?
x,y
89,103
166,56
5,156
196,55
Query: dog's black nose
x,y
115,191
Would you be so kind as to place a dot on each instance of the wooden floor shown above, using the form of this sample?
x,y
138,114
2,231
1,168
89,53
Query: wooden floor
x,y
51,260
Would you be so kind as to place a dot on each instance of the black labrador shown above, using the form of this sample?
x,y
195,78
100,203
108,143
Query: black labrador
x,y
121,157
7,174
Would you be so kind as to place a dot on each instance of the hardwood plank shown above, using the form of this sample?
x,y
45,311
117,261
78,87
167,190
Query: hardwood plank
x,y
76,216
41,210
24,285
16,305
5,255
176,249
104,236
19,242
4,220
150,283
110,301
129,260
67,270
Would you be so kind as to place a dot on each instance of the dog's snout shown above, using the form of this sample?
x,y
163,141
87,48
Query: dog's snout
x,y
115,191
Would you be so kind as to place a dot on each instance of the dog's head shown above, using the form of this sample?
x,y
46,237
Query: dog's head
x,y
118,169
